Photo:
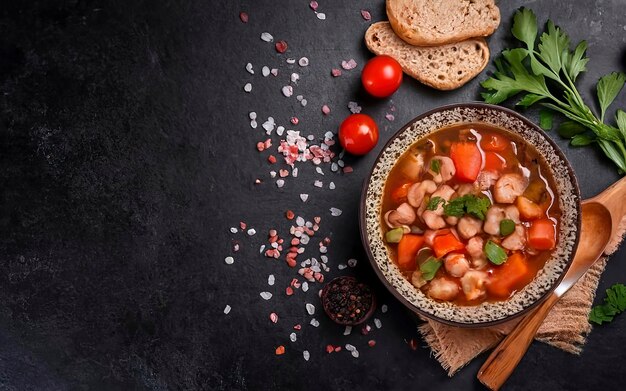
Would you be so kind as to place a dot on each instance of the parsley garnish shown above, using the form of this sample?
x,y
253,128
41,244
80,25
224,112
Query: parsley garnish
x,y
495,253
429,268
434,202
507,227
614,303
435,166
527,70
467,204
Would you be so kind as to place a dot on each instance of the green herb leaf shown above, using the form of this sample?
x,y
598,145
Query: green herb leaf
x,y
435,166
467,204
429,268
577,62
614,303
495,254
553,44
608,87
525,27
620,118
529,100
545,119
569,129
581,140
507,227
434,202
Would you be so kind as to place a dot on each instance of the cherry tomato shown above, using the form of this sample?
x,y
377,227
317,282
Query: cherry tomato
x,y
381,76
358,134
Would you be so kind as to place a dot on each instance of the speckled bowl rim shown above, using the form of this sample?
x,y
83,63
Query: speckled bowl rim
x,y
490,313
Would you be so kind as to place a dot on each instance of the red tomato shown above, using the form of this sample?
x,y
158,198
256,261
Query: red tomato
x,y
358,134
381,76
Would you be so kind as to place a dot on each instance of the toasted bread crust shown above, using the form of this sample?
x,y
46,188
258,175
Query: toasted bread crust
x,y
445,67
438,22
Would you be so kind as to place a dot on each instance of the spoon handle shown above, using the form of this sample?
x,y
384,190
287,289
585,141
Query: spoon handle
x,y
505,357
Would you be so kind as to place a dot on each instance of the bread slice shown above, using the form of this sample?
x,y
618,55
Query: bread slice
x,y
443,67
437,22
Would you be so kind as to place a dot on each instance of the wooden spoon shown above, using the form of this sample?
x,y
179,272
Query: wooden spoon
x,y
601,216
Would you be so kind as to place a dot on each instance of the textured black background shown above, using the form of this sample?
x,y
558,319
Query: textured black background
x,y
126,156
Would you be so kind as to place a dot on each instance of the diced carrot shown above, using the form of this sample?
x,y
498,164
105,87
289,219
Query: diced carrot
x,y
528,210
494,142
443,244
408,247
467,160
494,162
398,195
506,278
542,234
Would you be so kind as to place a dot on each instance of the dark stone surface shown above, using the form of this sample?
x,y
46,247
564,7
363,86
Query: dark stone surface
x,y
126,155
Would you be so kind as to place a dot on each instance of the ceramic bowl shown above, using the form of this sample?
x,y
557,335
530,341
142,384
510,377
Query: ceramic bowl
x,y
567,194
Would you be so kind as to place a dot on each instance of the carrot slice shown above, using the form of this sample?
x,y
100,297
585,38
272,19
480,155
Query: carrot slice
x,y
494,142
494,162
443,244
528,210
408,247
506,278
398,195
542,234
467,160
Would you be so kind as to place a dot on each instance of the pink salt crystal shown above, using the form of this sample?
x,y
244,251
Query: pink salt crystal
x,y
347,170
325,110
273,317
366,15
390,117
260,146
244,17
294,120
335,72
350,64
313,5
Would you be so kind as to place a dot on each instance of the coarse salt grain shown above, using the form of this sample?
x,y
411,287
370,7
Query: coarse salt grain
x,y
313,4
252,115
251,231
271,279
352,262
350,348
304,102
318,184
227,309
319,170
274,72
306,355
229,260
350,64
378,323
293,337
265,71
303,62
280,130
305,286
304,197
266,295
342,266
321,15
354,107
274,317
347,331
233,230
267,37
331,186
335,72
335,212
300,221
287,91
253,124
314,322
366,15
291,60
384,308
261,248
310,308
390,117
334,167
325,110
247,87
294,79
249,68
280,183
355,353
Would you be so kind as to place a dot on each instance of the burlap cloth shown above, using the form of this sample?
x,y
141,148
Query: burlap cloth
x,y
566,326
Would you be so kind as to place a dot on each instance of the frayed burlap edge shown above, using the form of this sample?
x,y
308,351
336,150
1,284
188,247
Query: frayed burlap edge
x,y
566,326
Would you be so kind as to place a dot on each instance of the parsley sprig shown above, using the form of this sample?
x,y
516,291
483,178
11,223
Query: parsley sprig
x,y
614,303
546,73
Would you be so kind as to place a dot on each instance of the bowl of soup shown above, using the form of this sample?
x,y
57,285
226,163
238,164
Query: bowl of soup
x,y
470,215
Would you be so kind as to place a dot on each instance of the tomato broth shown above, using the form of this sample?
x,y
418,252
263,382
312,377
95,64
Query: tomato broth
x,y
469,214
